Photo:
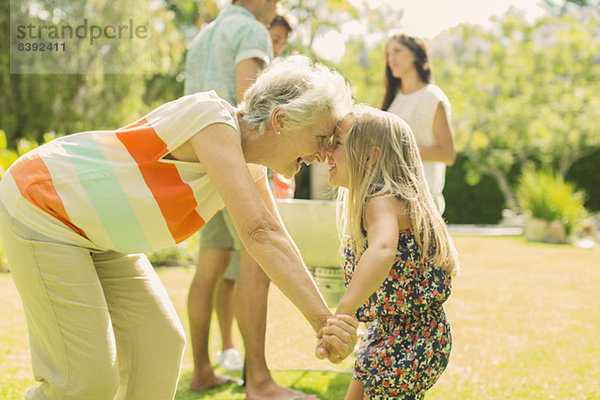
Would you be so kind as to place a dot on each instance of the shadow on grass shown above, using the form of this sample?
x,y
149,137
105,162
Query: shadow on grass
x,y
230,391
326,385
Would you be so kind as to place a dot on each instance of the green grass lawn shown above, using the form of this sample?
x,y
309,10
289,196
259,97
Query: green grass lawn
x,y
525,320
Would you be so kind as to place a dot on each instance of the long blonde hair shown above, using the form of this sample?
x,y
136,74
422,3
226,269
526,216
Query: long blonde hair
x,y
397,172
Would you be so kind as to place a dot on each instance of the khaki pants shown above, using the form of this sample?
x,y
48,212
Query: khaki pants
x,y
101,325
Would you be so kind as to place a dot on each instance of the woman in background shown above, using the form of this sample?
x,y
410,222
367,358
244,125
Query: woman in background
x,y
410,94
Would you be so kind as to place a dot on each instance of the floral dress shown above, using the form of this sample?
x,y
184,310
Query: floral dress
x,y
406,348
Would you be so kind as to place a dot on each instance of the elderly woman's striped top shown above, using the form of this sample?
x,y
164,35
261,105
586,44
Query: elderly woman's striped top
x,y
116,188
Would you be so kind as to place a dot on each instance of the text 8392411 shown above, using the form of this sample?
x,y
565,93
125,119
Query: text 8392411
x,y
41,46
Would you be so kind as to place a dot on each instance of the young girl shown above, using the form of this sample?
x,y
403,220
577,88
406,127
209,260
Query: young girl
x,y
399,257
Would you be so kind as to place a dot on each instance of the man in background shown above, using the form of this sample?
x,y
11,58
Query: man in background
x,y
229,357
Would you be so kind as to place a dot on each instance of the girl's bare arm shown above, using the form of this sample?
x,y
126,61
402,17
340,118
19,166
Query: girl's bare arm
x,y
375,263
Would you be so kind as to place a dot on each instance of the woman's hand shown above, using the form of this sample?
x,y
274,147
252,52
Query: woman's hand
x,y
337,339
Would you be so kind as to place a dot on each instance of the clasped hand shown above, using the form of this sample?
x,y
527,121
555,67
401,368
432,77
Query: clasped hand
x,y
336,340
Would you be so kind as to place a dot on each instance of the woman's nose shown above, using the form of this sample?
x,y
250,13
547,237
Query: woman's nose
x,y
325,150
321,156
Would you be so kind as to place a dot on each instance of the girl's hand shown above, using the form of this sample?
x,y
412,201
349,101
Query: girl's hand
x,y
337,339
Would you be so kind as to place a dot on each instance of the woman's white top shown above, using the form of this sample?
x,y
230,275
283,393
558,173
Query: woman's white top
x,y
418,110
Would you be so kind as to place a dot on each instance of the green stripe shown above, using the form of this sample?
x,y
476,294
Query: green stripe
x,y
106,195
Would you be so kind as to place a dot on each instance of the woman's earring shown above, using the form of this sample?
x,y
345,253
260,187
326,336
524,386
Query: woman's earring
x,y
279,132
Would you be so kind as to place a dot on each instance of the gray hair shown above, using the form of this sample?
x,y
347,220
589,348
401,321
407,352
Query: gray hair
x,y
302,90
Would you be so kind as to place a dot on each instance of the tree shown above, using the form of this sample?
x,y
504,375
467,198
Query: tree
x,y
34,104
561,7
522,93
364,68
315,17
364,61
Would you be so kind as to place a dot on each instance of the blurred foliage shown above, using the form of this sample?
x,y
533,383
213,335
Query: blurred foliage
x,y
483,203
546,195
523,92
31,105
7,156
560,7
183,254
480,203
168,257
367,83
313,16
584,173
520,91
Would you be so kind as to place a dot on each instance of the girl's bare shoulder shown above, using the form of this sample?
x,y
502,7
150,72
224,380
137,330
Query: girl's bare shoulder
x,y
388,201
389,205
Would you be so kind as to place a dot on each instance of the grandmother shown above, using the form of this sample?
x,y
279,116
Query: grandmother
x,y
76,213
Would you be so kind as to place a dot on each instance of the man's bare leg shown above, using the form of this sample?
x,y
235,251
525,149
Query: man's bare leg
x,y
210,268
225,307
251,313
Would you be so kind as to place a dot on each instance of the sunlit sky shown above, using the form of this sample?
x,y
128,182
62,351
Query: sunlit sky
x,y
428,18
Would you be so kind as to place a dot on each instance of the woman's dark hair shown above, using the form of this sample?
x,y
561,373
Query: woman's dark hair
x,y
392,84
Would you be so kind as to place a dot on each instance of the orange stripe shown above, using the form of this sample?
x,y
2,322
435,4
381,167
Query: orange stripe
x,y
170,192
35,184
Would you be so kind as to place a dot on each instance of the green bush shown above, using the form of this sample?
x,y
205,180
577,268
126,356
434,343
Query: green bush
x,y
584,173
481,203
170,256
546,195
182,254
7,156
